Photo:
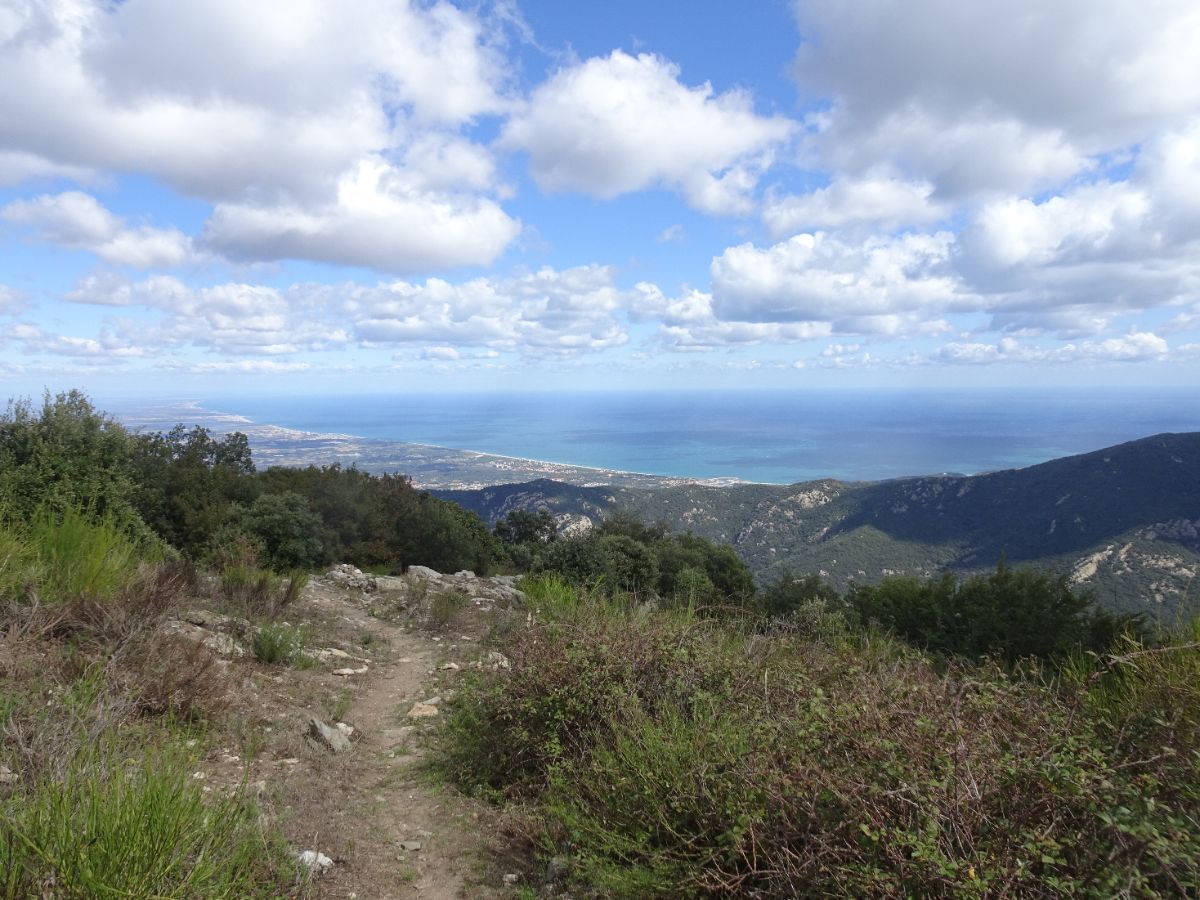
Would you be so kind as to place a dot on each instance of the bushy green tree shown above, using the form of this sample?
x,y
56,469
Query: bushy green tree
x,y
188,482
65,456
580,560
1008,614
522,526
445,537
789,592
625,554
286,528
630,565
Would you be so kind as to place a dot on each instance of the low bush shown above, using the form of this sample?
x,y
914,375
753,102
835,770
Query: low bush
x,y
670,755
277,643
172,676
258,593
446,606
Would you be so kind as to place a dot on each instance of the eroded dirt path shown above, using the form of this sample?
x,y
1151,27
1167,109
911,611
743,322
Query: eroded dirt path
x,y
390,828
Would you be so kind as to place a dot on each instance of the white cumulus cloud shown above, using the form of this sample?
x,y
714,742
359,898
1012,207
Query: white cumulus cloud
x,y
819,277
996,96
621,123
877,200
375,220
77,220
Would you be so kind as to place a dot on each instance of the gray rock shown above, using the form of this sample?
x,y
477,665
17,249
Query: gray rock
x,y
557,869
224,644
391,582
411,846
202,617
350,576
329,738
423,572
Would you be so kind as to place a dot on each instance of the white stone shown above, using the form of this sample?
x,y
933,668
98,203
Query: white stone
x,y
314,860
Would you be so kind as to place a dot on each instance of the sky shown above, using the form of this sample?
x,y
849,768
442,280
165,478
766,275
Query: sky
x,y
292,196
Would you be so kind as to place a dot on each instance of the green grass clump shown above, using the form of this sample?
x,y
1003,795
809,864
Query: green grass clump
x,y
61,555
280,644
670,755
114,826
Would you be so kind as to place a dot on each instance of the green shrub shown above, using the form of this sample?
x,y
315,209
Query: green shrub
x,y
1009,614
667,755
280,644
258,593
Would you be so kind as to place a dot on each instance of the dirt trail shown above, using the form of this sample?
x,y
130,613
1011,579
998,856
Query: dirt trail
x,y
391,829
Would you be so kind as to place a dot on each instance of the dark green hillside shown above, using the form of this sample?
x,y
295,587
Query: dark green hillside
x,y
494,503
1123,521
1063,506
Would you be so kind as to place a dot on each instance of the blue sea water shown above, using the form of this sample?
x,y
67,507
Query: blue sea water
x,y
765,436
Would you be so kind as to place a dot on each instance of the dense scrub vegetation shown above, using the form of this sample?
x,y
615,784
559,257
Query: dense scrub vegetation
x,y
199,495
87,573
662,753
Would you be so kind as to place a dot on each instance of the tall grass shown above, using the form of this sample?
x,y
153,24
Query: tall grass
x,y
116,827
18,562
80,555
257,593
64,554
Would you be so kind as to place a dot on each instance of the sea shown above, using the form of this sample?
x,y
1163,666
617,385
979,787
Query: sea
x,y
759,436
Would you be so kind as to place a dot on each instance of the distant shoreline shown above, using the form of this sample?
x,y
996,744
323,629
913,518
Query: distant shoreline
x,y
656,440
434,465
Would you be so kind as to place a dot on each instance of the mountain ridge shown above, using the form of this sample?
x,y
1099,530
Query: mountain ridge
x,y
1122,521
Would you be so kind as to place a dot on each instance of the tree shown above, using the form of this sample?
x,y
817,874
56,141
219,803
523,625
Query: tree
x,y
188,482
286,527
521,526
789,592
66,455
1008,614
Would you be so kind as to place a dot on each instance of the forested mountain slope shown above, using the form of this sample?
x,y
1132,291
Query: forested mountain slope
x,y
1124,521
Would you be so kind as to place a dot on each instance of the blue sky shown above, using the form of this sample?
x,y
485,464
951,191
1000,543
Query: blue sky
x,y
310,196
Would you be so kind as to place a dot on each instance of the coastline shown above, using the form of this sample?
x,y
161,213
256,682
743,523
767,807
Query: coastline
x,y
428,466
